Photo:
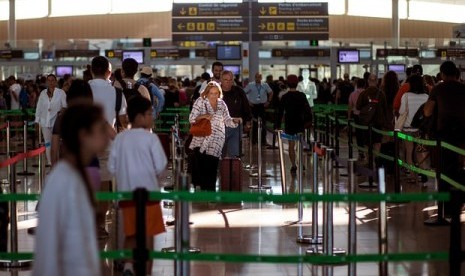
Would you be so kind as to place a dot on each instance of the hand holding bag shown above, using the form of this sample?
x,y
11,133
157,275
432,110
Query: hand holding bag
x,y
201,128
400,122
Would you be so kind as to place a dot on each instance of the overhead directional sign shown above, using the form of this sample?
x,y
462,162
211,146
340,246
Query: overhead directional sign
x,y
383,53
290,9
300,52
290,21
209,9
210,22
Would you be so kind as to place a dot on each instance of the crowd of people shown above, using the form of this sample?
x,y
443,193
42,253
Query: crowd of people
x,y
100,127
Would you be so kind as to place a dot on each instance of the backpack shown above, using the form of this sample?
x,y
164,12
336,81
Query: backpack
x,y
368,111
148,85
23,98
130,93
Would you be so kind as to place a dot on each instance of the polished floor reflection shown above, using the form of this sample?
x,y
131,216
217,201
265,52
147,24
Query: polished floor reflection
x,y
272,229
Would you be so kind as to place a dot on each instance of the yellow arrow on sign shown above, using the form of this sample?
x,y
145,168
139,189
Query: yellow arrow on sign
x,y
263,11
183,11
181,26
262,26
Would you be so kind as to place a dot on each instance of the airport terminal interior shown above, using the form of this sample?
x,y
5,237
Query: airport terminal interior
x,y
295,137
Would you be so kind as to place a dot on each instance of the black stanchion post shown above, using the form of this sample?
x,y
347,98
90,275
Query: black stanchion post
x,y
397,185
336,139
455,243
140,253
25,172
14,227
327,138
350,138
352,237
439,220
281,162
382,225
315,127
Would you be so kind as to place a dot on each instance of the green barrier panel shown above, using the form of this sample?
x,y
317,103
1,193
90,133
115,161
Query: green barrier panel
x,y
185,109
453,148
410,138
382,155
453,182
359,126
164,114
363,149
235,197
332,118
235,258
415,169
343,121
384,133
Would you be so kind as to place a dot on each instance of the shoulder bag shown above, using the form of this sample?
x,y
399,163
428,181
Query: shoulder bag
x,y
201,128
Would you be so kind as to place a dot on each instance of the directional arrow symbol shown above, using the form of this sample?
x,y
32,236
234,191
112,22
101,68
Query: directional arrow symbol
x,y
181,26
263,11
262,26
183,11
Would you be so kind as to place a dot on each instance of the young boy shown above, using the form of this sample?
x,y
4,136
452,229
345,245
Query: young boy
x,y
137,160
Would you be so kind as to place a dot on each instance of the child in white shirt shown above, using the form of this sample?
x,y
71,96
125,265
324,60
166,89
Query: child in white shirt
x,y
137,160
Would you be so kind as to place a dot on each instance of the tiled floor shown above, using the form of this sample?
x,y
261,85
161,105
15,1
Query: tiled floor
x,y
270,229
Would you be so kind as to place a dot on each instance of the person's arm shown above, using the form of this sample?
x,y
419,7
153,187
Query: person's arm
x,y
338,96
246,112
39,109
280,113
269,93
228,120
350,107
430,105
112,158
15,94
403,104
161,99
63,100
122,117
313,91
361,101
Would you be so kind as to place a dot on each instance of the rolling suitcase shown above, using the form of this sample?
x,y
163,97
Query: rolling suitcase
x,y
231,175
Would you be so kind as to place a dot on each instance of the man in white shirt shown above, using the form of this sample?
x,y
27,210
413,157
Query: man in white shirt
x,y
14,89
106,95
259,95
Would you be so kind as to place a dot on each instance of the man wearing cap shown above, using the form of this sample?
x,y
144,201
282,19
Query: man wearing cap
x,y
157,98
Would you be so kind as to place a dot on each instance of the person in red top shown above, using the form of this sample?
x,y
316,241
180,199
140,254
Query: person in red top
x,y
416,69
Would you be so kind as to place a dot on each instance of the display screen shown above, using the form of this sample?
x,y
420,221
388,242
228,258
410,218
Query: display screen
x,y
348,56
235,69
398,68
228,52
63,70
31,55
138,55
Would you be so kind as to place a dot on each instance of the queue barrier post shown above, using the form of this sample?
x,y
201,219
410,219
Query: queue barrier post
x,y
300,170
331,132
259,174
382,224
439,220
181,211
455,243
314,237
140,252
14,227
8,145
281,163
328,223
370,184
25,172
352,237
350,138
327,135
173,155
182,241
315,127
250,166
336,139
397,184
40,144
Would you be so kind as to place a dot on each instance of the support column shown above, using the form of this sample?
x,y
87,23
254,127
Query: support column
x,y
253,45
395,24
12,24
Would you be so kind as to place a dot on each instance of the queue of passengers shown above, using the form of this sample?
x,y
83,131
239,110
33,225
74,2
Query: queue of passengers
x,y
100,128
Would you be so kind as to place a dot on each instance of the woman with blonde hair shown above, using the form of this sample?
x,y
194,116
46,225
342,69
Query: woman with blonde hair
x,y
207,150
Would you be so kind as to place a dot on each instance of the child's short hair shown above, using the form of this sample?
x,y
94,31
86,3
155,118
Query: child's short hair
x,y
137,105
